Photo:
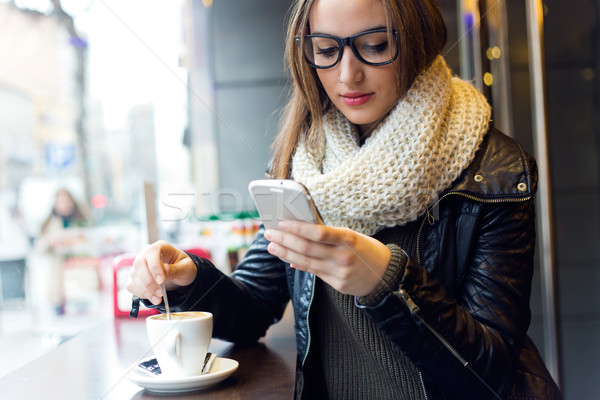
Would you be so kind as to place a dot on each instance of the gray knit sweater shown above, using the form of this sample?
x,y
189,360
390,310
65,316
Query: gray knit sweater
x,y
356,360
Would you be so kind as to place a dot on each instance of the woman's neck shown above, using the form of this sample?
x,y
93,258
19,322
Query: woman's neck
x,y
364,133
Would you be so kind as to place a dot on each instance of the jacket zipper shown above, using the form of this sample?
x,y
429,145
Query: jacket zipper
x,y
429,217
414,309
423,386
312,296
416,312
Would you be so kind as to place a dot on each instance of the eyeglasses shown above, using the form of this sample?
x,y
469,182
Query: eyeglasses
x,y
371,47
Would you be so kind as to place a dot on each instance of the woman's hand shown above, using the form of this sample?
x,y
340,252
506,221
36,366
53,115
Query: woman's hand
x,y
350,262
156,264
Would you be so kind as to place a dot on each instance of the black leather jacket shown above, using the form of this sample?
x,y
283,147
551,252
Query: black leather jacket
x,y
462,307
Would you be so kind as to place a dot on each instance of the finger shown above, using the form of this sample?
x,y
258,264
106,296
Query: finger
x,y
339,245
299,244
142,284
153,258
346,245
314,232
301,261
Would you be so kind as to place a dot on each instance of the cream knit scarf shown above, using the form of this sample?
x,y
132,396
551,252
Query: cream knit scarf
x,y
416,152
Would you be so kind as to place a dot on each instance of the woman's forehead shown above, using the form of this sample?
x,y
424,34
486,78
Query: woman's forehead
x,y
345,17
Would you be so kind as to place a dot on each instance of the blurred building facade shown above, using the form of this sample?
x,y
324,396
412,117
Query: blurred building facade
x,y
38,97
51,130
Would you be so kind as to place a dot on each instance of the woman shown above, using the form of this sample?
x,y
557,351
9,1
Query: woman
x,y
56,242
418,285
65,214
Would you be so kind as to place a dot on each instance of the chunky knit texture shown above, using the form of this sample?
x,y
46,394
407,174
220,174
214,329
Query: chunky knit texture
x,y
422,145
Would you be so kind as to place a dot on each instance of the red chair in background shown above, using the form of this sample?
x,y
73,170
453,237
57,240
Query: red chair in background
x,y
121,296
199,252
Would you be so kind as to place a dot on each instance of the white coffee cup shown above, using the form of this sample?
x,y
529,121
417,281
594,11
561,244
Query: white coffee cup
x,y
180,344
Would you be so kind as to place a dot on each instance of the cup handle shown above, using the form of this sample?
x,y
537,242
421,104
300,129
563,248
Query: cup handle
x,y
173,345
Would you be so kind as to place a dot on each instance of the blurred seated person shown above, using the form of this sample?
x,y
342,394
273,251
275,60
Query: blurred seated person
x,y
66,213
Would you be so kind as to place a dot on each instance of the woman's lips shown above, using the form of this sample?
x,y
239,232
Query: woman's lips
x,y
356,99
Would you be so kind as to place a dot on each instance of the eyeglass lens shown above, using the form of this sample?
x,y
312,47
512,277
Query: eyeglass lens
x,y
371,48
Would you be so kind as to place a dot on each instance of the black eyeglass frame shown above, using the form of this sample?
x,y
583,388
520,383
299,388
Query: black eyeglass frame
x,y
347,41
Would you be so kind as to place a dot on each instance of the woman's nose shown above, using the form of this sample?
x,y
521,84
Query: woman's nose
x,y
349,67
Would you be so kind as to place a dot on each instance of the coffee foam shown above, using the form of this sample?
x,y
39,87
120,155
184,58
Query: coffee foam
x,y
182,315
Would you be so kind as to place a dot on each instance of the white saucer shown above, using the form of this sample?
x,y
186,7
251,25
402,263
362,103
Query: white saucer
x,y
221,369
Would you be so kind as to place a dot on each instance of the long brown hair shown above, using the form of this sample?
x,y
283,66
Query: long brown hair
x,y
76,215
421,37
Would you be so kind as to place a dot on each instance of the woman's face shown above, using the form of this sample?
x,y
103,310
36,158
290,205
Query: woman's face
x,y
64,204
363,93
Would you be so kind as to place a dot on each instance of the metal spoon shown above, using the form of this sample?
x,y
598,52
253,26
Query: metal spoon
x,y
166,300
167,308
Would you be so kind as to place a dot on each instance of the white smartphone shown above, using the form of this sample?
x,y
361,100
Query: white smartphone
x,y
280,199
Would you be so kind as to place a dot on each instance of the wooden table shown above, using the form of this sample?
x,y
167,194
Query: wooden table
x,y
94,365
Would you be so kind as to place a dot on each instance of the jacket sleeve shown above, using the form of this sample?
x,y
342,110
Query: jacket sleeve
x,y
467,344
244,304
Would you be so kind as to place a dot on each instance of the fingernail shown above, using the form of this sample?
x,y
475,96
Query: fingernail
x,y
155,300
159,278
284,224
268,234
273,248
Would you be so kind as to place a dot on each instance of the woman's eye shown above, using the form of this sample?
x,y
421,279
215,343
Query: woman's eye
x,y
327,52
375,48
